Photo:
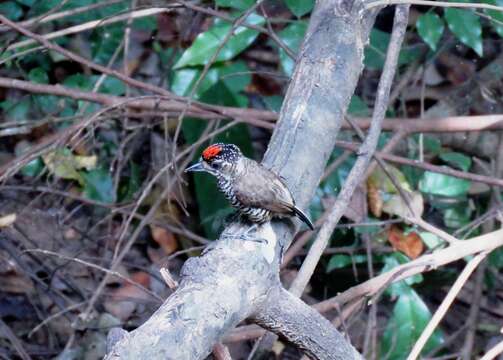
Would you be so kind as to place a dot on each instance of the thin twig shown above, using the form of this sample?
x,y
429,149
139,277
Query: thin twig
x,y
97,267
366,151
91,25
444,306
445,4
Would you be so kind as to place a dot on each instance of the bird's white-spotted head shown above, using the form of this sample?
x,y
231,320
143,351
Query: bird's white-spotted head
x,y
219,160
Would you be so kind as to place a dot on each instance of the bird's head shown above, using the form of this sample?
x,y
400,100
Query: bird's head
x,y
218,159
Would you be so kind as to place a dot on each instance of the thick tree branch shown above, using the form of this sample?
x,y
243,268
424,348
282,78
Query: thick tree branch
x,y
288,316
234,278
366,151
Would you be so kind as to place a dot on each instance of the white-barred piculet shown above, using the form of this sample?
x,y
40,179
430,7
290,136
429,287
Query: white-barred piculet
x,y
255,191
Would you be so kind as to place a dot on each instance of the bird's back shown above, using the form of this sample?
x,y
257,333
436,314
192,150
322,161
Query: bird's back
x,y
257,186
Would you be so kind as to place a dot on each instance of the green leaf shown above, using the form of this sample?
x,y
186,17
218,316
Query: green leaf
x,y
375,52
11,10
207,43
274,102
465,25
431,144
300,7
105,41
38,75
358,107
132,184
16,110
98,185
456,217
111,85
456,159
213,207
339,261
430,27
292,37
410,317
440,184
236,4
33,168
431,240
403,286
47,103
496,16
230,74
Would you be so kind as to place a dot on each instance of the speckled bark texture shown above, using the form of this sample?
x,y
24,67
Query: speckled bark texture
x,y
235,280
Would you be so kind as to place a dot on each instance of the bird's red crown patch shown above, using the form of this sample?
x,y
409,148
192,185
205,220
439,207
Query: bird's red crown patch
x,y
211,151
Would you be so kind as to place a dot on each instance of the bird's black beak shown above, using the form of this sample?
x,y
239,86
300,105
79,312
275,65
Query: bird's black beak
x,y
196,167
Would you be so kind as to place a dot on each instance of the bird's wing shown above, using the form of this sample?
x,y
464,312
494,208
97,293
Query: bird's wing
x,y
262,188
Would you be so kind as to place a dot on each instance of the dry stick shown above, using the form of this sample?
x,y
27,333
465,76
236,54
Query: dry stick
x,y
48,18
6,332
372,4
135,14
494,352
255,117
472,320
429,167
444,306
120,256
366,151
97,267
75,57
460,249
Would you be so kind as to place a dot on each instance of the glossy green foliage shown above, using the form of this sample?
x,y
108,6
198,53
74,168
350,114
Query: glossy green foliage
x,y
496,16
375,52
300,7
292,37
444,185
430,27
207,43
465,25
410,316
98,185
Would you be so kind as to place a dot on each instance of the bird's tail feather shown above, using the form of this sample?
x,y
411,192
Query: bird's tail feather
x,y
303,217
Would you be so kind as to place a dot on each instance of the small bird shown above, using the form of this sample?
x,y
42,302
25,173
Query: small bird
x,y
255,191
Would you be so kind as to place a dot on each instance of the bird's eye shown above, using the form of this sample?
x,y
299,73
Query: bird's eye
x,y
215,165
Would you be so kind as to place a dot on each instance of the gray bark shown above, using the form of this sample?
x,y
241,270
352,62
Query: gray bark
x,y
237,279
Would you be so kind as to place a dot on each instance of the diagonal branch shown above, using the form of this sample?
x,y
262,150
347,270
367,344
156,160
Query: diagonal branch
x,y
366,151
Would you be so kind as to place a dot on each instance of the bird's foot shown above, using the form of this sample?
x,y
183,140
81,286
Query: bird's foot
x,y
249,235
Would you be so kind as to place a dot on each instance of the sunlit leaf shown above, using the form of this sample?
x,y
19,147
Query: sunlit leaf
x,y
445,185
207,43
63,164
465,25
430,27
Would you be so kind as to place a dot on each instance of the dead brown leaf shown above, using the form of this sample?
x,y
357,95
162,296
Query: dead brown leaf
x,y
410,244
